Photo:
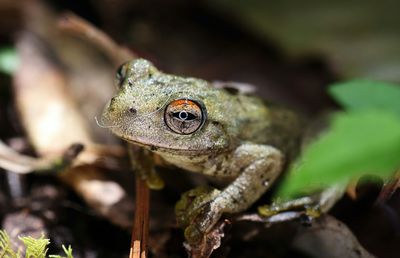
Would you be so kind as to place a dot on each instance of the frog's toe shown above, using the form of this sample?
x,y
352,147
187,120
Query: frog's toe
x,y
202,221
313,211
267,211
191,202
196,212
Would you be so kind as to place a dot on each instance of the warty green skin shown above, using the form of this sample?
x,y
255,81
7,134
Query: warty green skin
x,y
242,137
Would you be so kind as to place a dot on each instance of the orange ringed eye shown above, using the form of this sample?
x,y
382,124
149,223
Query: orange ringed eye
x,y
184,116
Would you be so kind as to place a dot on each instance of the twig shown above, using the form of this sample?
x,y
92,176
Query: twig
x,y
140,229
76,25
22,164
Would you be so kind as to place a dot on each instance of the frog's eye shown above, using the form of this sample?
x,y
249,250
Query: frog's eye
x,y
184,116
121,75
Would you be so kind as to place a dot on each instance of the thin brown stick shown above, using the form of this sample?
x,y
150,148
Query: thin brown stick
x,y
140,231
141,223
76,25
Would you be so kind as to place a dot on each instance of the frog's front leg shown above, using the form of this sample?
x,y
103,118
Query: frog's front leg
x,y
143,164
256,167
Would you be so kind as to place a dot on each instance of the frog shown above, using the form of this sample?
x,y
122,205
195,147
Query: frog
x,y
221,132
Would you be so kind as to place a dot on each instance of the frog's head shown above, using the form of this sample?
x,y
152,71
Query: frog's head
x,y
166,112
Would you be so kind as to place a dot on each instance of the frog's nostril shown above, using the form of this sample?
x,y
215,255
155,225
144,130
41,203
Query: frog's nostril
x,y
132,110
112,101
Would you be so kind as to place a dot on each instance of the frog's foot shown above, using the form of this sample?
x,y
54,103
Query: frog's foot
x,y
197,212
279,206
313,206
306,210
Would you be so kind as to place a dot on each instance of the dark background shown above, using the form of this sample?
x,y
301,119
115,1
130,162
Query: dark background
x,y
290,50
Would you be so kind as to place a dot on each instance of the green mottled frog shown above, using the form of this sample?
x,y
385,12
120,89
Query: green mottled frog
x,y
216,131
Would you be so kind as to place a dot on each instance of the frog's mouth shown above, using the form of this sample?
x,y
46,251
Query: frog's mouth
x,y
143,142
167,149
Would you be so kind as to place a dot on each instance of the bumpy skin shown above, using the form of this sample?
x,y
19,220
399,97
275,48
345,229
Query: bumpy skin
x,y
239,137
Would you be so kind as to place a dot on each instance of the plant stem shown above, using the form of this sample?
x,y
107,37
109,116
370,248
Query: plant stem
x,y
76,25
141,222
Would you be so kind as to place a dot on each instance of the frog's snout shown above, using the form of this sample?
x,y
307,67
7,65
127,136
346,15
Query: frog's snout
x,y
109,112
112,105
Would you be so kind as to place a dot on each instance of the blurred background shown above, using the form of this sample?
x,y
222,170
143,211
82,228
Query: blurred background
x,y
290,50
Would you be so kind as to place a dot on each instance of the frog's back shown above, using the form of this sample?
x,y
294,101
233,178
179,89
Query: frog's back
x,y
273,125
285,131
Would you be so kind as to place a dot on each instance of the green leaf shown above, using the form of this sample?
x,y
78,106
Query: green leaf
x,y
35,248
5,246
358,143
8,60
67,251
365,94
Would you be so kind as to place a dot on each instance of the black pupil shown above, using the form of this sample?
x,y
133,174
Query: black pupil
x,y
184,115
